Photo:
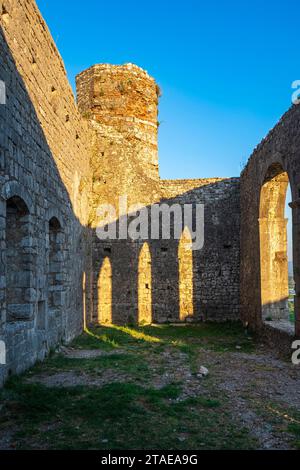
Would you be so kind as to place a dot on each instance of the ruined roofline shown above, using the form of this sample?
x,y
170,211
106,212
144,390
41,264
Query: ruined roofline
x,y
267,140
53,46
201,180
127,67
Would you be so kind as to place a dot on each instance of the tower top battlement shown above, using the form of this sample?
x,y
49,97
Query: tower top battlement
x,y
121,102
109,91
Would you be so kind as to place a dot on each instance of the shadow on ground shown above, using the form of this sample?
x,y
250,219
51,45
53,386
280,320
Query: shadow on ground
x,y
144,388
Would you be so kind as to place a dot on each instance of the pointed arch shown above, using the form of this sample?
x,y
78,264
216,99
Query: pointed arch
x,y
185,265
105,293
145,286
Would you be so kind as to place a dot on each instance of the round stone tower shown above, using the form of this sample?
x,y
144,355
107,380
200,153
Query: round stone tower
x,y
121,103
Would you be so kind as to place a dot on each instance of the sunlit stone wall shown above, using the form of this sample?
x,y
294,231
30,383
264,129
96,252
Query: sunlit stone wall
x,y
57,165
264,290
163,282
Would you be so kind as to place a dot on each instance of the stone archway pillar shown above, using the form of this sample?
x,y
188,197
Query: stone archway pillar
x,y
295,205
274,268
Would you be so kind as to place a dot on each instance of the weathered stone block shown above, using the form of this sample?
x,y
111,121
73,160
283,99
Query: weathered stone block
x,y
19,312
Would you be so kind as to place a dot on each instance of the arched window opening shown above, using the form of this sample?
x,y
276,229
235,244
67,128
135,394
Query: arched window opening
x,y
186,278
145,286
105,293
55,272
274,235
19,265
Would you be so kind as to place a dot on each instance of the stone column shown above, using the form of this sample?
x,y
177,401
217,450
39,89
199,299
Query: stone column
x,y
274,268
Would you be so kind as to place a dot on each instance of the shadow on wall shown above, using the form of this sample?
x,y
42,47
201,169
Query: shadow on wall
x,y
142,299
43,244
157,281
46,282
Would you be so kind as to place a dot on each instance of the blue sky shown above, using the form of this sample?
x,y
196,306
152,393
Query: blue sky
x,y
225,68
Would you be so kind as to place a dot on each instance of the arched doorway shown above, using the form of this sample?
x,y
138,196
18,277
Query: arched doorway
x,y
145,286
274,248
186,278
105,293
19,266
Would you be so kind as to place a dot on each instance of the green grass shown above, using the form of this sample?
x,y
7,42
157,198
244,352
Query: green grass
x,y
118,416
127,363
218,337
291,304
291,312
134,414
189,339
283,418
294,428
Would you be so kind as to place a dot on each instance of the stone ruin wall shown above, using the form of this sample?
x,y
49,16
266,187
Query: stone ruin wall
x,y
274,163
58,163
44,176
121,104
216,266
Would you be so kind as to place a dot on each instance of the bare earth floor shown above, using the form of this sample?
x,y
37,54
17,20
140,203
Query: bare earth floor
x,y
142,388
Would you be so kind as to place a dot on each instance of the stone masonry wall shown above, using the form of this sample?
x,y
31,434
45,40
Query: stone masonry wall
x,y
275,161
59,163
44,176
210,283
216,266
121,104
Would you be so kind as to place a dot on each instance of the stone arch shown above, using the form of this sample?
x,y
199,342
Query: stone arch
x,y
53,212
145,286
55,272
20,268
14,189
186,277
105,293
273,245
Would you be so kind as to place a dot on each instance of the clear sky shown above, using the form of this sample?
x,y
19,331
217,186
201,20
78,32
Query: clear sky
x,y
225,68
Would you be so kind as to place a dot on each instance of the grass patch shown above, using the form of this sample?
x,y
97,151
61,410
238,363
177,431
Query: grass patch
x,y
294,428
127,363
214,336
64,363
118,416
283,419
189,339
135,414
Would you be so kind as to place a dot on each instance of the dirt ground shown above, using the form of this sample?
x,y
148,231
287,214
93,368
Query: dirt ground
x,y
248,398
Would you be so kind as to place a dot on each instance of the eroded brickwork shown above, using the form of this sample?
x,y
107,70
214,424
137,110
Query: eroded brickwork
x,y
121,102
